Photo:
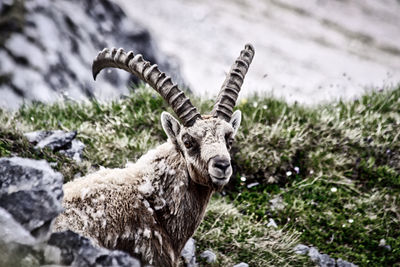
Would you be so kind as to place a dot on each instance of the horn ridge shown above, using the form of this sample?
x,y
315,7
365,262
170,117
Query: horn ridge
x,y
230,89
159,81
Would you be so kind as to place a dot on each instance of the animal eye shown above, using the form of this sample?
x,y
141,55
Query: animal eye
x,y
229,141
187,144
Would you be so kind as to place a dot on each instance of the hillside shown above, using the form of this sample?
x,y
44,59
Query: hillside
x,y
328,176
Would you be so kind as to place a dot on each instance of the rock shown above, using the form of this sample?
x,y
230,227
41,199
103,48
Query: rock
x,y
188,253
342,263
301,249
58,140
52,46
326,261
209,256
272,223
75,151
13,232
76,250
313,254
31,192
322,260
242,264
16,243
30,199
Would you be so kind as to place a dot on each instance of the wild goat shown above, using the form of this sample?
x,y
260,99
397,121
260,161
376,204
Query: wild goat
x,y
153,207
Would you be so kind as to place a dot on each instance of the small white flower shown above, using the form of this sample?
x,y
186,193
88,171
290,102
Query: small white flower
x,y
311,172
255,104
297,169
333,189
344,225
288,173
350,220
264,106
243,179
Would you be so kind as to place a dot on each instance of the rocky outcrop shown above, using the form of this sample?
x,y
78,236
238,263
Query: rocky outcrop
x,y
31,192
47,47
58,141
30,199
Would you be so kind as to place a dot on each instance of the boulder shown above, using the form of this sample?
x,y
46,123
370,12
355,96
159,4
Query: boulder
x,y
30,199
31,192
58,140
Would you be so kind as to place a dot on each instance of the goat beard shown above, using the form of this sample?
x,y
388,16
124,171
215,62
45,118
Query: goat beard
x,y
216,187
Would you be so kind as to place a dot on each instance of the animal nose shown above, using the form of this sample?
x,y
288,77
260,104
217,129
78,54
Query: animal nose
x,y
221,163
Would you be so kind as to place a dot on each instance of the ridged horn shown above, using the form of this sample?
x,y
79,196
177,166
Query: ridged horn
x,y
136,65
228,94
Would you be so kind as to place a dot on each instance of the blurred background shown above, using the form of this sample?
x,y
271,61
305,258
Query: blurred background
x,y
306,51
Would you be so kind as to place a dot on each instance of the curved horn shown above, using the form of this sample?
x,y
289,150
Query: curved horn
x,y
228,94
136,65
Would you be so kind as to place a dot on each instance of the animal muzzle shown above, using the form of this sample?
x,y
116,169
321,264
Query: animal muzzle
x,y
220,170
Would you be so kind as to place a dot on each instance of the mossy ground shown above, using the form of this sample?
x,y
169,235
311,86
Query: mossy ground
x,y
335,169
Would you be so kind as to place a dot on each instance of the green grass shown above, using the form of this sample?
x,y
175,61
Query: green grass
x,y
336,169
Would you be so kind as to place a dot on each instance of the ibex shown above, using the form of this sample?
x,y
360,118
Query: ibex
x,y
153,207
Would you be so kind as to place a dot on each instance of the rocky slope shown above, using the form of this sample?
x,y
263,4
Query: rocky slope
x,y
47,47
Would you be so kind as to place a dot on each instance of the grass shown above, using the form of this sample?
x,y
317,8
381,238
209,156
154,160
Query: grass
x,y
334,169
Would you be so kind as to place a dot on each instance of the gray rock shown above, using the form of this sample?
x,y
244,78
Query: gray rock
x,y
75,151
31,192
58,140
322,260
76,250
30,199
13,232
209,256
326,261
242,264
343,263
313,254
188,253
55,44
301,249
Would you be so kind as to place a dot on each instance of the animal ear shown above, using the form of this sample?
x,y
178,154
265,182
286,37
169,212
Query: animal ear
x,y
235,120
170,125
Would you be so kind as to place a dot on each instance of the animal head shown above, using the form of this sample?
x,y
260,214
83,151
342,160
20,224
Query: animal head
x,y
204,141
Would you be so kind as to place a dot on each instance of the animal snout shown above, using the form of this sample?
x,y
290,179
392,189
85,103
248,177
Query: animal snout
x,y
221,163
